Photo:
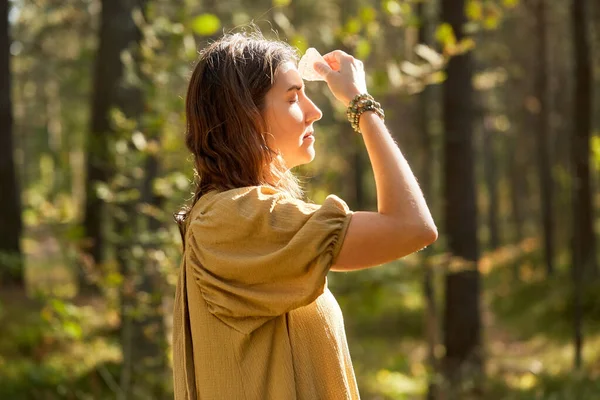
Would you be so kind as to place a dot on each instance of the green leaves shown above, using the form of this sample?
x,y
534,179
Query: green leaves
x,y
510,3
474,10
446,36
206,24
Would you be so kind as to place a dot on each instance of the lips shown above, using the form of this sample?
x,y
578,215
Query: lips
x,y
308,134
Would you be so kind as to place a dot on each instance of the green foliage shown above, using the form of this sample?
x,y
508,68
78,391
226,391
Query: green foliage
x,y
549,303
58,348
206,24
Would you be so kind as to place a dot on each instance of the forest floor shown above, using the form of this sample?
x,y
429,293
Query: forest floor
x,y
56,346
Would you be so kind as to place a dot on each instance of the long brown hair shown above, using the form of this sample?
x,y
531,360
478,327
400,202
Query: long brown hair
x,y
225,125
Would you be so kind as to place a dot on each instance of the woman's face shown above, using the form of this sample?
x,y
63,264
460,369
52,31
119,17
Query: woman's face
x,y
290,115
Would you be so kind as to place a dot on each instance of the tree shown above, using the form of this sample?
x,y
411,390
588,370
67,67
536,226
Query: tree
x,y
117,32
462,324
114,37
11,227
425,178
583,248
542,134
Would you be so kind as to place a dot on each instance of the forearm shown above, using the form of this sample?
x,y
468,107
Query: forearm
x,y
398,193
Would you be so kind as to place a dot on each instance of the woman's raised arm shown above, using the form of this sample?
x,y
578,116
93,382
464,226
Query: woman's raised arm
x,y
403,222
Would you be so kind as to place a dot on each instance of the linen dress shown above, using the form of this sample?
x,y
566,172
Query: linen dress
x,y
253,317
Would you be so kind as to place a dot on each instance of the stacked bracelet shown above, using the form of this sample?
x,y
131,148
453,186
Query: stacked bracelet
x,y
360,104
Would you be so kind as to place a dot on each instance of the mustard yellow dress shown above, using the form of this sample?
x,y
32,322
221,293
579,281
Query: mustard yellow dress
x,y
253,317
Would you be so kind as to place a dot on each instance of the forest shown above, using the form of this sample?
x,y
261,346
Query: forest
x,y
494,103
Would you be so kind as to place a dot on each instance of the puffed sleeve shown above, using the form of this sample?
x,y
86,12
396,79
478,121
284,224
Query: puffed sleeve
x,y
257,254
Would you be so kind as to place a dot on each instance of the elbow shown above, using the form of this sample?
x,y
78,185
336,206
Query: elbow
x,y
428,234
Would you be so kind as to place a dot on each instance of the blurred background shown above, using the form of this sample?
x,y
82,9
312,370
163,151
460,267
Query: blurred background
x,y
495,104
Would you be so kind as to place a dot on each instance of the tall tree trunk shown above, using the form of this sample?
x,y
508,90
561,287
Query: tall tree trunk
x,y
583,249
542,135
425,177
491,181
11,226
349,143
462,326
117,33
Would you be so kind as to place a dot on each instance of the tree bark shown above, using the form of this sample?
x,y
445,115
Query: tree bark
x,y
355,161
583,248
542,134
462,326
431,324
11,227
491,181
117,33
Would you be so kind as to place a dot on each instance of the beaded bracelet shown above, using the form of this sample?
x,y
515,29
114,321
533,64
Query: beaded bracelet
x,y
360,104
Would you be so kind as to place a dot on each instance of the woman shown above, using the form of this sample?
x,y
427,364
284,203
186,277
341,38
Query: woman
x,y
253,317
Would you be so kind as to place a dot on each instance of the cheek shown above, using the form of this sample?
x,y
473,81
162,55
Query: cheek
x,y
296,114
287,122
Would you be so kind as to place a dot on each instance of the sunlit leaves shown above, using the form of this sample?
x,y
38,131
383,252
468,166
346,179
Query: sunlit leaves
x,y
352,26
206,24
445,36
510,3
392,7
299,41
363,48
488,14
367,14
430,55
139,140
595,150
474,10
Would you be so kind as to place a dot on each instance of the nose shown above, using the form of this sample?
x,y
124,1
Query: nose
x,y
312,112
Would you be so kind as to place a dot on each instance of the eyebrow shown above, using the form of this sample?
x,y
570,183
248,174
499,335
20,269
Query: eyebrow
x,y
294,87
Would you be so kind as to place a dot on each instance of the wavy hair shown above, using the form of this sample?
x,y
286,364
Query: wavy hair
x,y
226,131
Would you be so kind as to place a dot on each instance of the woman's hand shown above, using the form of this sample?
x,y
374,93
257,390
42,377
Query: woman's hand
x,y
344,74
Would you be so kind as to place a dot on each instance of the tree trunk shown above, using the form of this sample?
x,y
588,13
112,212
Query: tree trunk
x,y
117,33
425,177
462,326
542,135
354,171
11,227
583,249
491,181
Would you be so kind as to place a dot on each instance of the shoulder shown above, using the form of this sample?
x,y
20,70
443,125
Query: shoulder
x,y
260,202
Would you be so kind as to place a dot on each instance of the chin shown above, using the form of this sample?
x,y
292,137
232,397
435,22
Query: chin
x,y
309,156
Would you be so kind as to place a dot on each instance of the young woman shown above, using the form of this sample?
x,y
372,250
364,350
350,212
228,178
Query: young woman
x,y
253,317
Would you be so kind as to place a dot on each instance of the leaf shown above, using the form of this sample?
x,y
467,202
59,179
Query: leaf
x,y
281,3
300,42
392,7
595,150
352,26
474,10
367,14
430,55
510,3
363,49
411,69
465,45
394,74
139,140
492,17
206,24
73,329
491,22
445,34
